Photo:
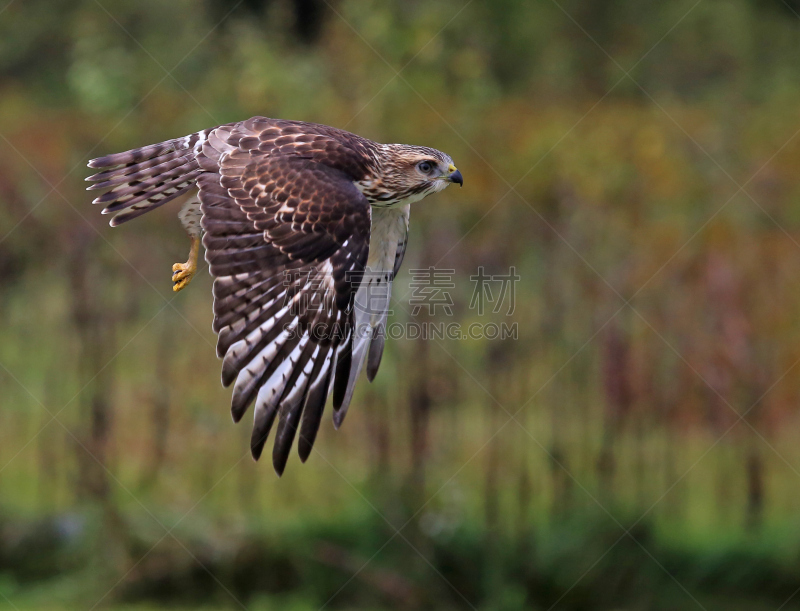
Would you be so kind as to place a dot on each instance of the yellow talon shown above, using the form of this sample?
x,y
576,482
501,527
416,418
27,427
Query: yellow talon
x,y
182,273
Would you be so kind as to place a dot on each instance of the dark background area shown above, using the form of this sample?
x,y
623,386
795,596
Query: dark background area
x,y
635,447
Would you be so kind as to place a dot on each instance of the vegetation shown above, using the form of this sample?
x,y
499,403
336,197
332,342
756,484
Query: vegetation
x,y
633,448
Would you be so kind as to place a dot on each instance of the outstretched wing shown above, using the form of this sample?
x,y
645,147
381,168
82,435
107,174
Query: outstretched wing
x,y
286,240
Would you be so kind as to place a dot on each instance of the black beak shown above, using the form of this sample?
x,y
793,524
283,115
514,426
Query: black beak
x,y
457,178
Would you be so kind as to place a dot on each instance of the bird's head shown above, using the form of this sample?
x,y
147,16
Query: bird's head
x,y
410,173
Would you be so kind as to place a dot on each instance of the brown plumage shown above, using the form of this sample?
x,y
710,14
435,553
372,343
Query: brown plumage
x,y
298,218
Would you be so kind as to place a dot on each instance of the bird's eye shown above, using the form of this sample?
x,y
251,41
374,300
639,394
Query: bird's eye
x,y
426,167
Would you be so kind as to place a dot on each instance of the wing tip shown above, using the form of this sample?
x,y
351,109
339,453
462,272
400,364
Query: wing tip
x,y
338,416
279,465
236,415
229,372
256,448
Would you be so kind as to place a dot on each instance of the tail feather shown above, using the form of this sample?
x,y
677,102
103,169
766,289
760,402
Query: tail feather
x,y
151,150
128,173
143,179
131,211
124,194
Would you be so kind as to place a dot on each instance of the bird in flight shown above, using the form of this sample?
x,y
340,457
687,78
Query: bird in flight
x,y
304,228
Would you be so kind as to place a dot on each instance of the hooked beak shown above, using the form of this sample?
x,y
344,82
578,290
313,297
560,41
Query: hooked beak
x,y
455,176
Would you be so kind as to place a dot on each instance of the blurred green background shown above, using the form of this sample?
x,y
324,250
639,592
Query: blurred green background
x,y
634,448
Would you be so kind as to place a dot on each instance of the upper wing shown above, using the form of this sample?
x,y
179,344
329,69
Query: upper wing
x,y
286,240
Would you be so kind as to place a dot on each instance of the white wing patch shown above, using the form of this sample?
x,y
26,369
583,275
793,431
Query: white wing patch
x,y
388,232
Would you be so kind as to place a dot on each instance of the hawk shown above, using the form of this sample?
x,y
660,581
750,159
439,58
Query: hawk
x,y
304,228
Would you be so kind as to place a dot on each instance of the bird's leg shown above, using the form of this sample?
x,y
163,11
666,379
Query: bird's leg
x,y
182,273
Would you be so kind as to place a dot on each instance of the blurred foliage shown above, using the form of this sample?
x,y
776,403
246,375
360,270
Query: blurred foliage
x,y
634,448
